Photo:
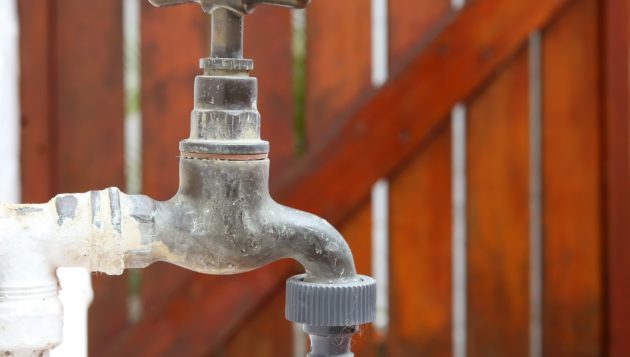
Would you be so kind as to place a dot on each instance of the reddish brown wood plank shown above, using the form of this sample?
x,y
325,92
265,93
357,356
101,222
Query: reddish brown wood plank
x,y
410,24
338,62
87,124
420,211
617,54
172,42
38,144
498,214
420,221
202,316
367,147
89,89
265,334
573,168
273,66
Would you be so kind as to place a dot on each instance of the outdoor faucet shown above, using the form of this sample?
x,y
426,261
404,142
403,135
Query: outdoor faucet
x,y
222,220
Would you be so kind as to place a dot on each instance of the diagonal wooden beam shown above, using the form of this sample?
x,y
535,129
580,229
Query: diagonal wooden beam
x,y
375,138
393,122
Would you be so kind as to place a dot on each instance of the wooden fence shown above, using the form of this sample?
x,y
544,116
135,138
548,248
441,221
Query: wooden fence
x,y
483,56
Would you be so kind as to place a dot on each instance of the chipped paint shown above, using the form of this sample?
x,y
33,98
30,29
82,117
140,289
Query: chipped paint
x,y
66,207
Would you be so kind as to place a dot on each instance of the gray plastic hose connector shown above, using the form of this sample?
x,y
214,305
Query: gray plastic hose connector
x,y
318,304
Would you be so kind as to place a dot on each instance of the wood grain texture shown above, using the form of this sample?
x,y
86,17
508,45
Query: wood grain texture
x,y
338,70
420,209
412,24
616,27
38,139
89,93
498,219
420,221
573,184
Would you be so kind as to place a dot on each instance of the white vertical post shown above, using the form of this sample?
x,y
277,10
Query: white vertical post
x,y
459,263
535,195
9,103
460,224
133,132
380,191
380,43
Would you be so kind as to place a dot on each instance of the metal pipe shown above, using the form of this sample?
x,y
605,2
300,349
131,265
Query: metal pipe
x,y
227,34
329,341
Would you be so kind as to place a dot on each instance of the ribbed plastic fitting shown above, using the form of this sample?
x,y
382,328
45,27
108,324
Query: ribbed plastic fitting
x,y
319,304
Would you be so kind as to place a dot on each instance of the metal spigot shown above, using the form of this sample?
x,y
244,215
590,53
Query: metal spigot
x,y
224,172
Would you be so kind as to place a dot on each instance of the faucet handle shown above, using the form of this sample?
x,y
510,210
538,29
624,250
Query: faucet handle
x,y
242,7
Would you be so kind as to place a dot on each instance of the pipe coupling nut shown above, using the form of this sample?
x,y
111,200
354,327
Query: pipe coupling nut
x,y
318,304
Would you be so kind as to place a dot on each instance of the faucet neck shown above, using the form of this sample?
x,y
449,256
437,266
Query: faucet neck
x,y
227,34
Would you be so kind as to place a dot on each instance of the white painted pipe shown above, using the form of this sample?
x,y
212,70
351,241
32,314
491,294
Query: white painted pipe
x,y
9,112
94,231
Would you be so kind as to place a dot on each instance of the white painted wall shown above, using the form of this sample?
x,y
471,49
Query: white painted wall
x,y
9,105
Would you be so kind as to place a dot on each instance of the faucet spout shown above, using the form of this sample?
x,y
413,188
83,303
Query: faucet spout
x,y
223,221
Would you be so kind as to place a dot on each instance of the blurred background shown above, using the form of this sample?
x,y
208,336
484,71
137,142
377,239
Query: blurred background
x,y
475,156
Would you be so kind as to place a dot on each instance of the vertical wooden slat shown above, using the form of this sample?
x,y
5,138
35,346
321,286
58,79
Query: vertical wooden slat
x,y
172,42
268,42
420,210
338,62
38,149
410,21
616,26
72,112
338,70
421,253
572,184
498,206
90,99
